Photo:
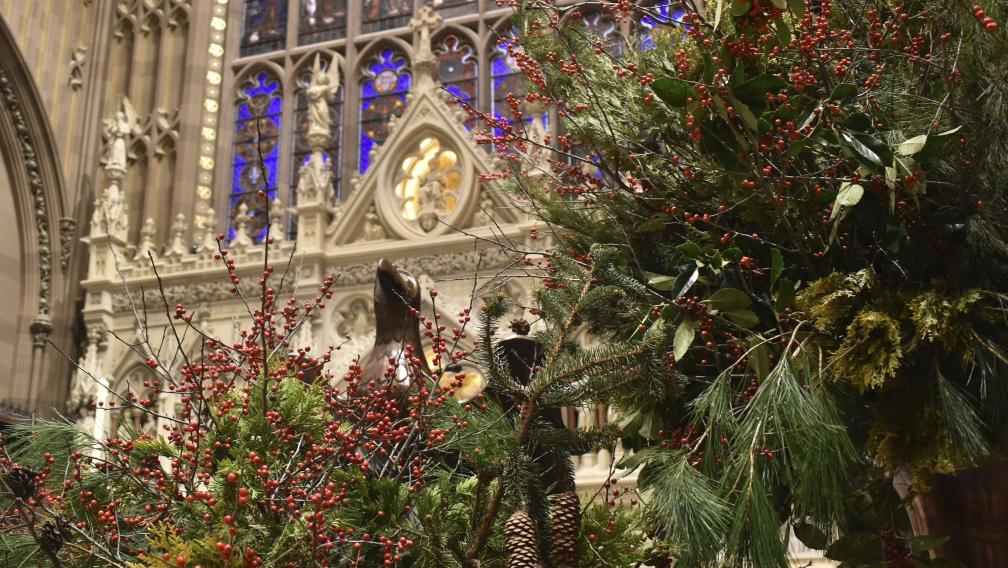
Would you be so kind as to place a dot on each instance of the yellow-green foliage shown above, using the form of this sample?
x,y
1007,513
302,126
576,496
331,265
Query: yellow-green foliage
x,y
944,320
870,353
830,300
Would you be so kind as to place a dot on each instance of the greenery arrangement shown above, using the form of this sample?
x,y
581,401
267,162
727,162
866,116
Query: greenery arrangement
x,y
784,223
806,201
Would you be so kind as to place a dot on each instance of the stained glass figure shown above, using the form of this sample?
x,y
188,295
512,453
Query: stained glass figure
x,y
451,8
660,15
506,78
378,15
302,150
604,28
383,94
257,133
321,20
457,71
264,26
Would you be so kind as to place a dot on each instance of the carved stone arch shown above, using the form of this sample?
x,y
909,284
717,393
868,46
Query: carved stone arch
x,y
36,203
130,414
245,74
464,32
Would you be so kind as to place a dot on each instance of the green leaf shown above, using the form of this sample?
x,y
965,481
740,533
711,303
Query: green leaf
x,y
634,460
660,282
776,265
673,92
844,91
811,536
683,339
717,13
753,92
740,8
857,548
782,4
759,360
913,145
862,149
729,299
936,144
785,295
848,196
686,281
690,250
743,318
747,116
927,542
798,7
858,121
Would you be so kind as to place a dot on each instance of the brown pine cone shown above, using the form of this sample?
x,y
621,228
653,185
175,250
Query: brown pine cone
x,y
51,538
566,526
520,327
520,541
21,481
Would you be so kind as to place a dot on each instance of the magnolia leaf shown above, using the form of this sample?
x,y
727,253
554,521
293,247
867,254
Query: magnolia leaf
x,y
776,265
782,4
753,92
862,149
690,250
745,114
811,536
844,91
797,7
742,318
936,144
927,542
687,283
660,282
740,8
848,196
717,13
728,299
759,360
912,146
673,92
683,339
785,295
634,461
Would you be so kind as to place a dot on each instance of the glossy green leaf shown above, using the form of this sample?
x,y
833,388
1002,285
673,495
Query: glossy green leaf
x,y
913,145
660,282
753,92
683,339
673,92
848,196
740,8
742,318
728,299
785,295
776,265
811,536
843,92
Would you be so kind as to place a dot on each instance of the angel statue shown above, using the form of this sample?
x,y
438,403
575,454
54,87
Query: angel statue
x,y
321,90
117,132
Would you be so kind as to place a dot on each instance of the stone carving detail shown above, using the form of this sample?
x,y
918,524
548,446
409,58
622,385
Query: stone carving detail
x,y
373,229
178,248
356,319
146,16
110,212
82,393
322,89
448,264
425,62
35,185
147,244
482,218
241,222
276,215
78,57
68,234
206,241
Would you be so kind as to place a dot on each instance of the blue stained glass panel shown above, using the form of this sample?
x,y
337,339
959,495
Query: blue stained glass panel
x,y
257,150
383,94
457,71
661,14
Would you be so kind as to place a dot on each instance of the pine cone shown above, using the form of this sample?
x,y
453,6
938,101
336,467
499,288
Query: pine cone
x,y
21,481
520,326
51,538
521,542
566,526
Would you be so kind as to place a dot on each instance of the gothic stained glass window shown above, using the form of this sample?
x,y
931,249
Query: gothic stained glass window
x,y
457,71
660,14
257,132
378,15
301,146
383,94
505,78
264,26
321,20
451,8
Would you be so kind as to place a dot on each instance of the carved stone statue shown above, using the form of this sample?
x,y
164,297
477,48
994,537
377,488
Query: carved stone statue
x,y
277,229
322,89
118,131
373,229
241,223
177,248
432,197
147,233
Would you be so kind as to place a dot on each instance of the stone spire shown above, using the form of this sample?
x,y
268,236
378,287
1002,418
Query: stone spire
x,y
425,63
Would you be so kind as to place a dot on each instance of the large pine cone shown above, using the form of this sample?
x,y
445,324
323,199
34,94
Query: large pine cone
x,y
566,526
21,481
521,543
51,538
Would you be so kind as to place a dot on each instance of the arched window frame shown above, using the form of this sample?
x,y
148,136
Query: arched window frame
x,y
386,63
455,48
